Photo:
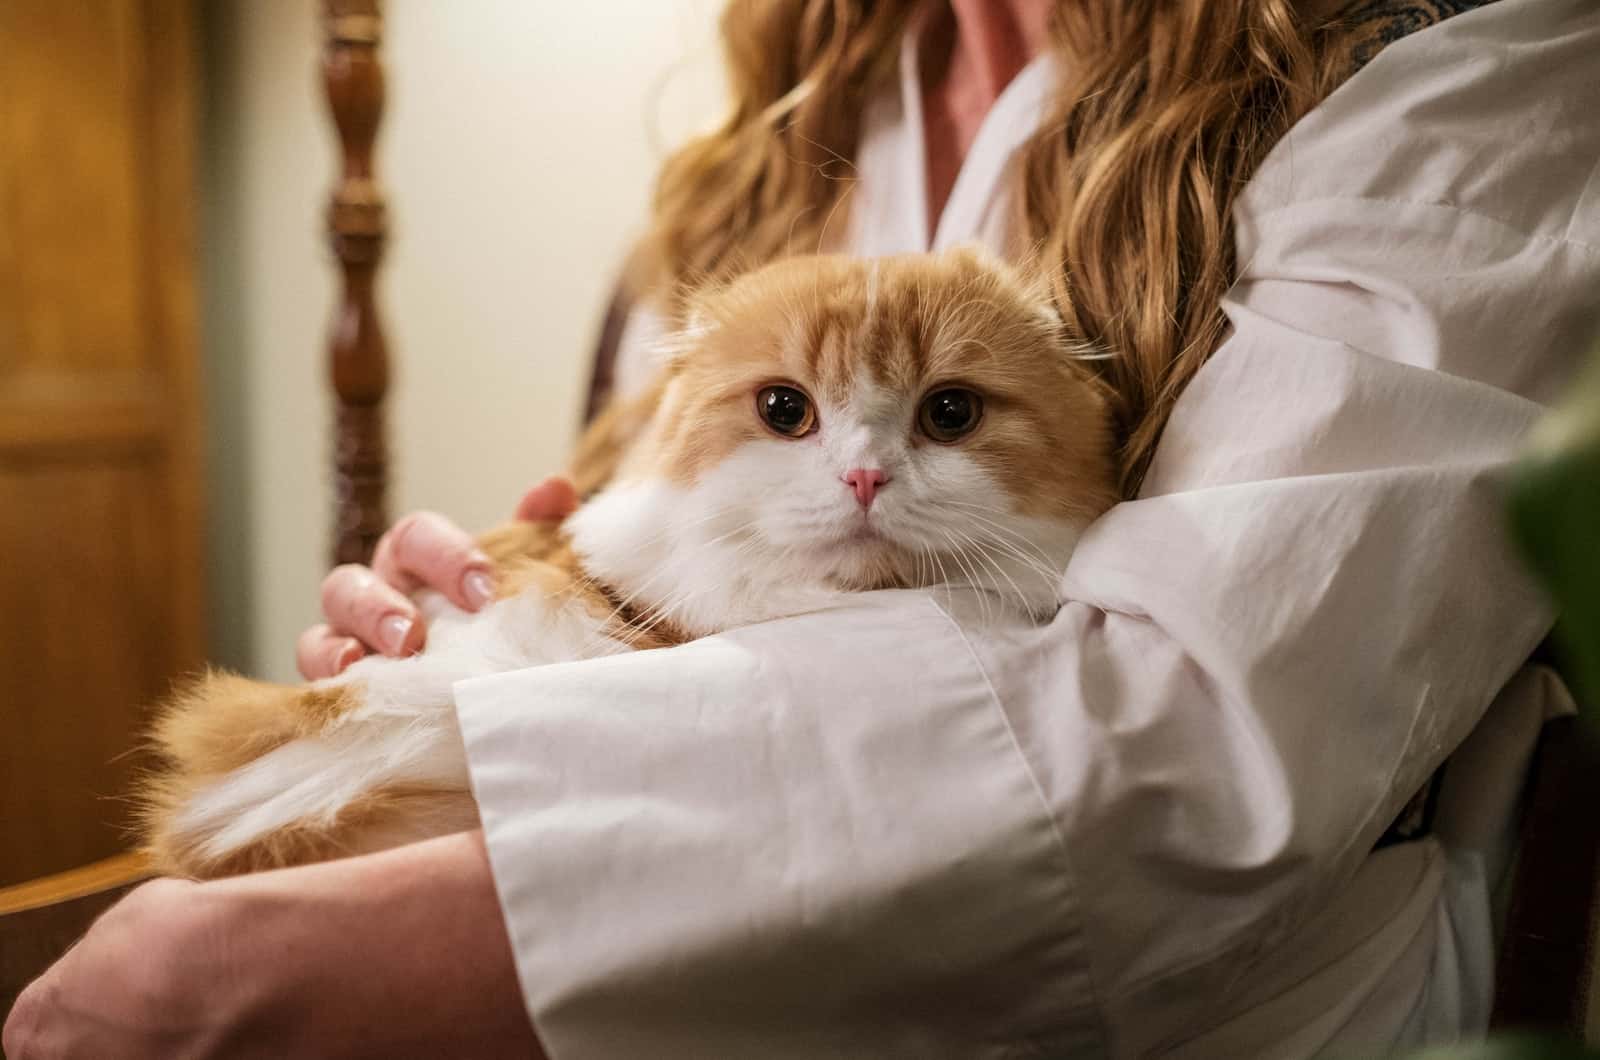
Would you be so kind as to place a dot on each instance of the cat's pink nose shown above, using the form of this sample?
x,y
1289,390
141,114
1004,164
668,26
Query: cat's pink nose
x,y
865,481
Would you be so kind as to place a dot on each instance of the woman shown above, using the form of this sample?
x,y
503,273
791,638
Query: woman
x,y
1161,822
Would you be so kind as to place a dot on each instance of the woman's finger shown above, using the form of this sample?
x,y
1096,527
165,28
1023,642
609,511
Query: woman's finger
x,y
426,550
554,498
358,603
320,652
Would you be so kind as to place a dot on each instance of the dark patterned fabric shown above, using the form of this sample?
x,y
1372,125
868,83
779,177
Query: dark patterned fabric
x,y
1379,23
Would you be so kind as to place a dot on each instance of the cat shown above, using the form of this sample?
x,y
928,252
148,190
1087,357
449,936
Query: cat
x,y
821,425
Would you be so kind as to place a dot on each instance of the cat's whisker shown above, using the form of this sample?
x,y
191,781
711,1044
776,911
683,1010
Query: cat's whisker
x,y
992,588
639,624
653,615
995,565
646,623
622,605
1049,582
976,513
938,560
1046,578
1033,562
958,556
985,552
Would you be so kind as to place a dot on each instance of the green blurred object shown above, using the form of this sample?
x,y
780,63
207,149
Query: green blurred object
x,y
1555,519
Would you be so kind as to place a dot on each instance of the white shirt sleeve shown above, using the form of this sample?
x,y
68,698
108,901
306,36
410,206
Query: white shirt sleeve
x,y
897,830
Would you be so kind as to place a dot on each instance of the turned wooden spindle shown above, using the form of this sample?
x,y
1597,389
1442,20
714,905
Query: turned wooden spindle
x,y
359,359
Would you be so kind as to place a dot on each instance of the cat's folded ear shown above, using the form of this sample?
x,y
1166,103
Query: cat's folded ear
x,y
1025,274
683,339
691,321
1030,273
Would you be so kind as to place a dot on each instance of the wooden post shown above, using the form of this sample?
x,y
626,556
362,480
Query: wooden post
x,y
359,360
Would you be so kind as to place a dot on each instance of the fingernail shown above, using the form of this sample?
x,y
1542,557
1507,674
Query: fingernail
x,y
349,652
478,587
393,631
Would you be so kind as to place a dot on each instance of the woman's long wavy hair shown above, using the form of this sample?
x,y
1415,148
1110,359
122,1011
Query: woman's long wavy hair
x,y
1164,111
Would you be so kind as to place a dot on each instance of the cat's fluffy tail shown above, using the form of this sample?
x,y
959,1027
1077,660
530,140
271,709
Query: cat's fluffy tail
x,y
260,775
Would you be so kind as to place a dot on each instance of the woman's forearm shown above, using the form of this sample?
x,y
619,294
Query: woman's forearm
x,y
391,954
402,953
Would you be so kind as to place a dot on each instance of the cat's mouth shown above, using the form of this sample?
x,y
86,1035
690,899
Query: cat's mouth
x,y
864,532
870,534
866,546
855,540
863,558
860,542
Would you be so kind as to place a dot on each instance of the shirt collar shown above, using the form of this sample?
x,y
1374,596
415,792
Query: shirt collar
x,y
1015,116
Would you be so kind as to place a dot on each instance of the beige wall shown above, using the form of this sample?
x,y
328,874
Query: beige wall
x,y
518,148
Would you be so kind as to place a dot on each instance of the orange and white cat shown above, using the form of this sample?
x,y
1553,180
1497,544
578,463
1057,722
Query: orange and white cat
x,y
821,426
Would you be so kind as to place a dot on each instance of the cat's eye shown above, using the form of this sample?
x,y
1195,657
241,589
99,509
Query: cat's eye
x,y
786,410
949,414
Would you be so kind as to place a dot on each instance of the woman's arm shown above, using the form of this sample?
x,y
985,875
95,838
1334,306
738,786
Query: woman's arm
x,y
402,953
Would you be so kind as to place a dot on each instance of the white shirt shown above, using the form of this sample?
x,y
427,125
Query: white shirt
x,y
1145,827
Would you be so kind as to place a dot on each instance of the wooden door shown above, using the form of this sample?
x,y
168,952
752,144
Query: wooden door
x,y
100,543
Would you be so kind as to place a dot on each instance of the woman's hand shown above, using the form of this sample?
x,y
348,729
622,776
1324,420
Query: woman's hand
x,y
402,953
369,608
136,986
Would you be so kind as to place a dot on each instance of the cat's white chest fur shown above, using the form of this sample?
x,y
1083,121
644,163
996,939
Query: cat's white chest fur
x,y
688,559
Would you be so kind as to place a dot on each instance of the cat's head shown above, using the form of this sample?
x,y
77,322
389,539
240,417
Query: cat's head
x,y
833,423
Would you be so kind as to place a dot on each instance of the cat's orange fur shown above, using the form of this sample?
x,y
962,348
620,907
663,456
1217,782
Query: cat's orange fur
x,y
831,323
